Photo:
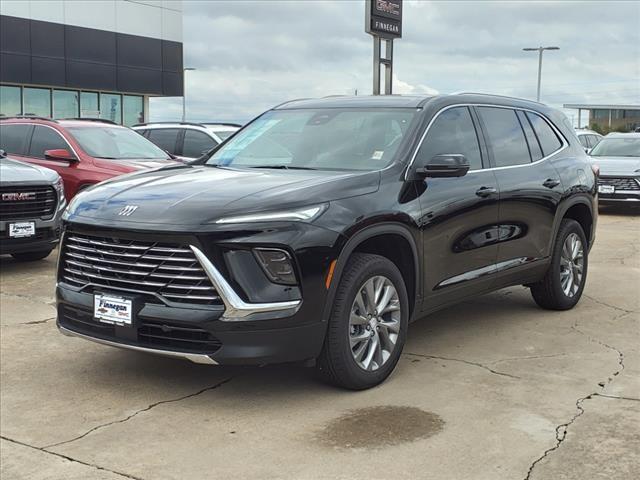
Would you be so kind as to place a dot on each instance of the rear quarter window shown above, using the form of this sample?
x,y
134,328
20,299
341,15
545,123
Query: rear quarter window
x,y
549,141
506,136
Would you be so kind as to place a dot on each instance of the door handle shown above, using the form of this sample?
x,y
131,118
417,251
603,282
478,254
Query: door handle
x,y
551,182
485,191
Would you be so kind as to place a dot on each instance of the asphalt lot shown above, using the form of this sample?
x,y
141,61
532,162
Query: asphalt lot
x,y
491,389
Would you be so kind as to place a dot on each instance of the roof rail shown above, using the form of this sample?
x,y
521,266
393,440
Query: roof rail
x,y
290,101
493,95
225,124
91,119
27,116
167,122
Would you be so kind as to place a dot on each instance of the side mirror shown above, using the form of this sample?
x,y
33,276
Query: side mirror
x,y
588,151
445,165
3,154
60,154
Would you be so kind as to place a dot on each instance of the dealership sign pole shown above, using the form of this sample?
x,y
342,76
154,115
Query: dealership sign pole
x,y
383,20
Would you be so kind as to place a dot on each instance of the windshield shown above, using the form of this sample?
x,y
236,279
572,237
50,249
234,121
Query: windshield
x,y
617,147
323,139
116,143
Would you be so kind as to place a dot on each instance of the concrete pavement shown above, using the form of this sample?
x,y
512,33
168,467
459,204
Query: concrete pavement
x,y
495,388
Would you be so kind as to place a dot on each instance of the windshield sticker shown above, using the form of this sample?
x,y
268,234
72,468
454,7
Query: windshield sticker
x,y
377,155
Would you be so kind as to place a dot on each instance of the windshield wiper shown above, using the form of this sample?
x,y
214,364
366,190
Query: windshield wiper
x,y
284,167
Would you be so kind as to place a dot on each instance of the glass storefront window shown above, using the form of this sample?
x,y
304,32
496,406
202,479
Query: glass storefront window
x,y
111,107
133,110
89,105
65,104
10,103
37,101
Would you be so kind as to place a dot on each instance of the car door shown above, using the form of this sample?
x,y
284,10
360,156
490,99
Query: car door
x,y
520,144
459,214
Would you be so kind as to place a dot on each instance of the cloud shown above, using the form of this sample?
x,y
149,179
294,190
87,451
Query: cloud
x,y
251,55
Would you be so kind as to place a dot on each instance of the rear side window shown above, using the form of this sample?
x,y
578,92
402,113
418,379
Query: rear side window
x,y
43,139
506,136
196,143
452,132
165,138
584,140
532,140
13,138
594,140
549,141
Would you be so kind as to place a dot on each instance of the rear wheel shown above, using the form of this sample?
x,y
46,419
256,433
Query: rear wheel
x,y
562,286
368,324
31,256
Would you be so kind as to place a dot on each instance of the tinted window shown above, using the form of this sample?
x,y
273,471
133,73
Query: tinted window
x,y
549,141
584,141
165,138
452,132
45,138
13,138
196,143
594,140
506,136
532,140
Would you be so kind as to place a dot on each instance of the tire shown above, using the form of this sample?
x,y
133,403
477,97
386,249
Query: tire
x,y
552,292
31,256
337,363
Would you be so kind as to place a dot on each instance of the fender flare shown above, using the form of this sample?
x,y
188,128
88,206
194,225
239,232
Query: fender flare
x,y
356,240
563,208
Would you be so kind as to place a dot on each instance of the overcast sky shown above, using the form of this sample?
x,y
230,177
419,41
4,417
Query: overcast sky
x,y
251,55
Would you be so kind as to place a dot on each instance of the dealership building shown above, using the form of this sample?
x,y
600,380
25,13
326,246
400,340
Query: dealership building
x,y
625,117
97,58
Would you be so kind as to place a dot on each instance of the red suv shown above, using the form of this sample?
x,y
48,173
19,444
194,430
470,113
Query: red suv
x,y
84,152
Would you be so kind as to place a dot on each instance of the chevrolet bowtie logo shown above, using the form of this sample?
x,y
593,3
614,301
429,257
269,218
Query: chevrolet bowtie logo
x,y
128,210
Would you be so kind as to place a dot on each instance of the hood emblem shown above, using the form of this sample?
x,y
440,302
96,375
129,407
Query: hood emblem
x,y
128,210
7,197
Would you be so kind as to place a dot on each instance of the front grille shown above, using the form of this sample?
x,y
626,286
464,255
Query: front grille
x,y
25,202
621,183
155,269
150,334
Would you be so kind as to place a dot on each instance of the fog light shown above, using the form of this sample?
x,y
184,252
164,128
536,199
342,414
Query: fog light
x,y
277,265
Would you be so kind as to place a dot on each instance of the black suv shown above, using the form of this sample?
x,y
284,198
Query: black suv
x,y
323,227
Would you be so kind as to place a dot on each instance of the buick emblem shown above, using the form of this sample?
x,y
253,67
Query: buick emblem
x,y
128,210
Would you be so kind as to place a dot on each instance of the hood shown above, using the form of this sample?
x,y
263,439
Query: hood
x,y
15,172
196,195
625,166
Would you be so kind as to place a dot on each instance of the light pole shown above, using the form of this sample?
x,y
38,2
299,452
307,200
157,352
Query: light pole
x,y
539,50
184,90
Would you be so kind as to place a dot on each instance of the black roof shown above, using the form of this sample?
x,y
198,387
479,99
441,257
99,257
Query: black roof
x,y
405,101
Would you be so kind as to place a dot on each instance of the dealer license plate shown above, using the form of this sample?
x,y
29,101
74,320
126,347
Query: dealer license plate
x,y
606,189
22,229
112,309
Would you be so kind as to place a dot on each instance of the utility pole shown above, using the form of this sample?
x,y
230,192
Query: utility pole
x,y
184,90
539,50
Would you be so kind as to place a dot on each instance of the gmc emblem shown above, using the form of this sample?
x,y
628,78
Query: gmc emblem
x,y
7,197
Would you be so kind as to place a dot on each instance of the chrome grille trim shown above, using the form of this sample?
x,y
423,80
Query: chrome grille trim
x,y
44,203
167,272
621,183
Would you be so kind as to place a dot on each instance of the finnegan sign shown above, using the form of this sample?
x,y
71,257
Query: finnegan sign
x,y
384,18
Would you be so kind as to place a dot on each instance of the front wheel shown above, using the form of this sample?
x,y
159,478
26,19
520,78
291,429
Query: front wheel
x,y
562,286
368,324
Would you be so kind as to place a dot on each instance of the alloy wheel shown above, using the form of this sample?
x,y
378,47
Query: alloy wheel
x,y
571,265
374,323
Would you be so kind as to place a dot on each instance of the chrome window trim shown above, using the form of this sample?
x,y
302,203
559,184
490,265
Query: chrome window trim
x,y
565,143
237,309
40,125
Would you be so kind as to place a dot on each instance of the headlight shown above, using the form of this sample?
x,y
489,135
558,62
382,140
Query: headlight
x,y
302,214
59,187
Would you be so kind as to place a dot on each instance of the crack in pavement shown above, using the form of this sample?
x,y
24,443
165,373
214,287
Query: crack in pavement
x,y
145,409
562,429
605,304
476,364
71,459
37,322
532,357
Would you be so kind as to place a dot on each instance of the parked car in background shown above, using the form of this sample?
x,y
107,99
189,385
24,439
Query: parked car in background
x,y
588,138
618,157
31,204
320,229
84,152
187,140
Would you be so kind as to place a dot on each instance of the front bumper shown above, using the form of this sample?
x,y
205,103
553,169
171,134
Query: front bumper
x,y
620,196
46,237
